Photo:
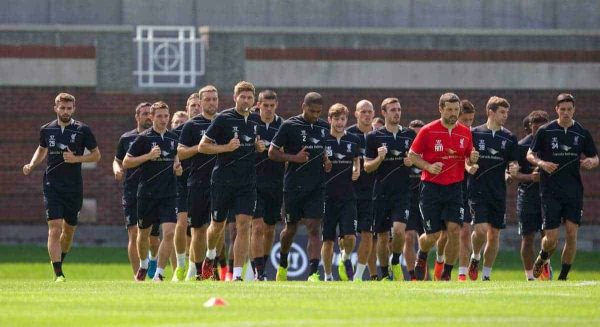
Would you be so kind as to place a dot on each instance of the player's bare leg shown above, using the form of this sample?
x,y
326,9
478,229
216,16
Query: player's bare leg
x,y
491,251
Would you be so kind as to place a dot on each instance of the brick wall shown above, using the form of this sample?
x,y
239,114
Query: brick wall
x,y
110,114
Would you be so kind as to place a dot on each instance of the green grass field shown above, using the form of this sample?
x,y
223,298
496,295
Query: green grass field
x,y
100,292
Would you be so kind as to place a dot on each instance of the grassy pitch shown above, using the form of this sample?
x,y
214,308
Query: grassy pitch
x,y
99,291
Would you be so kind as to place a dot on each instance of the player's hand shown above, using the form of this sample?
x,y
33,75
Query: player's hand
x,y
154,153
119,175
407,162
70,157
177,168
434,168
27,169
302,156
382,152
327,165
474,156
588,163
535,175
508,179
355,174
233,144
259,145
513,169
472,169
548,166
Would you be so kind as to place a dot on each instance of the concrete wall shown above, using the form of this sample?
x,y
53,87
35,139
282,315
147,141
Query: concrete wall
x,y
505,14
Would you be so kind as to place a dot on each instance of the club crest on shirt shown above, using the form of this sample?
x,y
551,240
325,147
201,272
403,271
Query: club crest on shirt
x,y
576,140
349,148
328,150
322,133
172,145
554,143
406,144
481,145
503,145
73,138
462,143
438,147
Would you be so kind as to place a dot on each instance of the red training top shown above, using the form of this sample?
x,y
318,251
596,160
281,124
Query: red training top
x,y
436,143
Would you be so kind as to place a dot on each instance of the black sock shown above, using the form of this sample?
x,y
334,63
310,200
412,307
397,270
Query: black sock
x,y
447,269
253,264
283,260
564,271
259,266
222,262
230,266
314,266
198,267
266,259
62,256
385,272
544,255
57,268
395,258
411,273
422,255
374,277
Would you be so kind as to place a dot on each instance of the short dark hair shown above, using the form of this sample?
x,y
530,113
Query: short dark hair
x,y
466,107
158,106
387,101
267,95
448,97
538,117
139,107
416,123
565,97
496,102
313,98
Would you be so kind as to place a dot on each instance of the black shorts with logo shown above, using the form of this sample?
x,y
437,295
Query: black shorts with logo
x,y
440,204
156,211
556,209
303,204
182,197
232,200
198,204
390,209
415,220
63,205
339,213
489,211
364,210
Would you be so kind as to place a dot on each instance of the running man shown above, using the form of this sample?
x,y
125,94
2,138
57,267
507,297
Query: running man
x,y
300,142
199,168
387,154
557,149
63,141
232,136
269,183
343,150
440,150
363,188
154,151
414,226
498,150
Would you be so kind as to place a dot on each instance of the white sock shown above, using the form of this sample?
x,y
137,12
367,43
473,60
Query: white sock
x,y
159,271
191,272
440,258
151,257
211,253
476,256
360,270
462,270
328,277
529,274
237,272
487,271
346,256
180,259
144,263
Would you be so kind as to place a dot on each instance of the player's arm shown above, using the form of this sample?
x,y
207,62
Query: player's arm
x,y
186,152
38,156
277,154
419,162
93,156
177,169
590,162
117,166
136,156
209,146
471,168
356,168
375,155
547,166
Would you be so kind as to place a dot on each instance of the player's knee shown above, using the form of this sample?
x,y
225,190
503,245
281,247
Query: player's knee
x,y
54,232
480,229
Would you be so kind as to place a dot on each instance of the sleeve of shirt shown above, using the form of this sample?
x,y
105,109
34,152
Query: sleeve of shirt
x,y
121,150
418,144
514,154
90,140
469,145
138,147
215,129
536,145
356,148
589,147
280,139
43,142
186,138
371,150
522,157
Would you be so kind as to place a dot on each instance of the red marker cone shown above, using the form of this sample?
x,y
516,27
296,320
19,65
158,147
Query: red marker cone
x,y
215,302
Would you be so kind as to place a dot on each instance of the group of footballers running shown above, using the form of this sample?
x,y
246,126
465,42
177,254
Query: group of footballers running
x,y
441,184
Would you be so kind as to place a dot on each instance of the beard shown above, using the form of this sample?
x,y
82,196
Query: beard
x,y
147,124
65,118
450,120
